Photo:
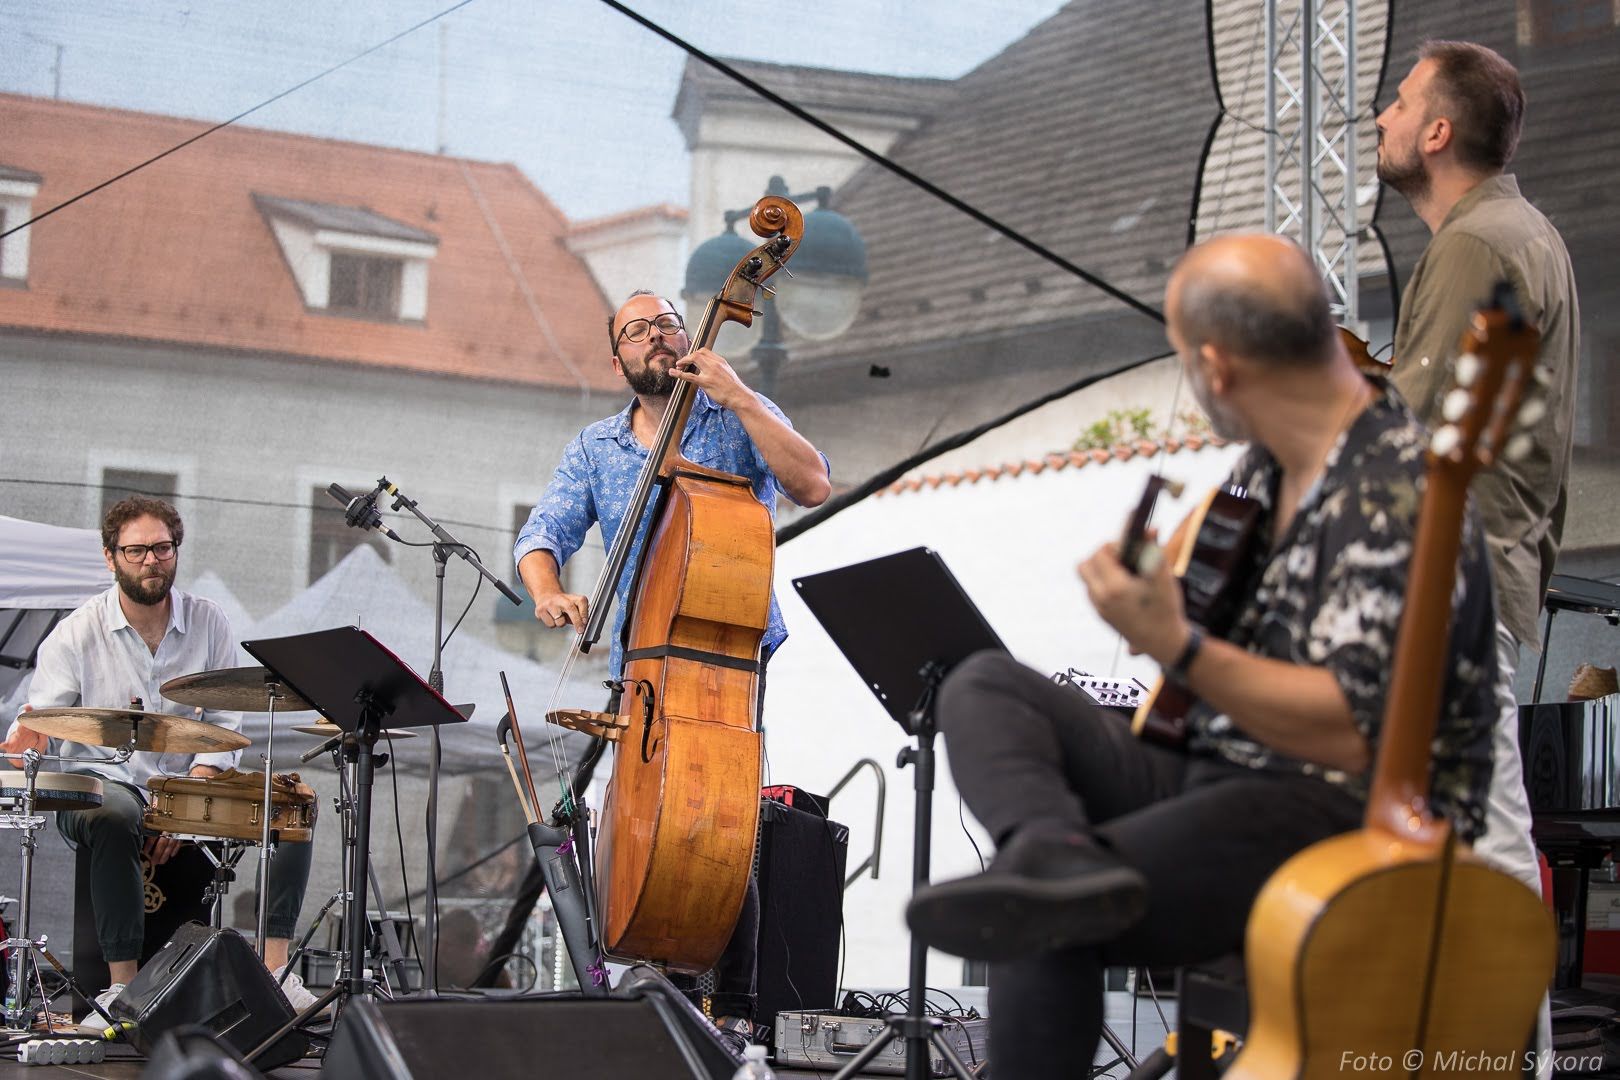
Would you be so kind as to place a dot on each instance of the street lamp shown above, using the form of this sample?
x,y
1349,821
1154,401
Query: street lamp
x,y
817,300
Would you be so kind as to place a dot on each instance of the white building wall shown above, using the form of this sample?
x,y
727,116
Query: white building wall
x,y
1013,543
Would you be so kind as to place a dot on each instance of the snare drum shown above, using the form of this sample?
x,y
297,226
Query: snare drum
x,y
229,806
52,790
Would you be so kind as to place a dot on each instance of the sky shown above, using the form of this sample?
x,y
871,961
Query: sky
x,y
573,92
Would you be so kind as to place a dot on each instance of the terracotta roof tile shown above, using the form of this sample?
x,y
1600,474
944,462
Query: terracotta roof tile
x,y
1076,459
178,252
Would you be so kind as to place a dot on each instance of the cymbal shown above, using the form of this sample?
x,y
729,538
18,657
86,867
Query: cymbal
x,y
243,689
327,731
161,732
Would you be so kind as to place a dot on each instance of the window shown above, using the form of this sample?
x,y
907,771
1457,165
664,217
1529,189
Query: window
x,y
119,484
365,284
331,538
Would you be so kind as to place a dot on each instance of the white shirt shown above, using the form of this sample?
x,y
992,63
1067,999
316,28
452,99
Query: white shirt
x,y
95,658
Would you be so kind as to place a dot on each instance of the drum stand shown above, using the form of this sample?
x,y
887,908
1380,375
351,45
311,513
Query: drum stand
x,y
393,953
272,686
224,863
21,947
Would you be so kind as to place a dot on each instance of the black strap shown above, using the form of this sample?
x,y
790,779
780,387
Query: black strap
x,y
658,652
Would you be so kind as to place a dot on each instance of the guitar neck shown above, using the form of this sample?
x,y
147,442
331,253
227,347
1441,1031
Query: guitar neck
x,y
1399,798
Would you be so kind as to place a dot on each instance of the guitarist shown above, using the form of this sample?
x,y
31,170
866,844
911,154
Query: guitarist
x,y
1114,851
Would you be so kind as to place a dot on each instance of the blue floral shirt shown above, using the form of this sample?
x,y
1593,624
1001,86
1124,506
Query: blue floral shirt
x,y
597,476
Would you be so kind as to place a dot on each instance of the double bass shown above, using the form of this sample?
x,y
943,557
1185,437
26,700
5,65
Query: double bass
x,y
1394,949
676,839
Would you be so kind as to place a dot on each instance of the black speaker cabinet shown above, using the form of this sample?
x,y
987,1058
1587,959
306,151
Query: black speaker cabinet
x,y
173,898
214,979
646,1031
194,1053
801,898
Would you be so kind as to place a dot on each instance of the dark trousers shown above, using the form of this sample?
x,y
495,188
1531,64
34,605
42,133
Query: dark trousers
x,y
1206,835
112,833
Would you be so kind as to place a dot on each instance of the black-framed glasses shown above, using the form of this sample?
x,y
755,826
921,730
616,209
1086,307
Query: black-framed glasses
x,y
136,553
638,330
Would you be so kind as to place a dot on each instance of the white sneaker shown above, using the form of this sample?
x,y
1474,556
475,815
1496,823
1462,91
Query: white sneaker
x,y
95,1023
297,994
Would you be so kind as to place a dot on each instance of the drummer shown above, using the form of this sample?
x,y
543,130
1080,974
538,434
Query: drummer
x,y
122,645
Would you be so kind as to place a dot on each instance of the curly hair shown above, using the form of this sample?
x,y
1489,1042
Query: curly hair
x,y
127,510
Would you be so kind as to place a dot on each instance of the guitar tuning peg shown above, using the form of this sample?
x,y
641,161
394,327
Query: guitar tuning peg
x,y
1175,488
1531,412
1542,374
1446,440
1467,369
1455,404
768,291
1518,447
785,270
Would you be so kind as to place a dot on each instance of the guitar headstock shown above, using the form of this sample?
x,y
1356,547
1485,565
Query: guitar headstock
x,y
1498,392
1137,553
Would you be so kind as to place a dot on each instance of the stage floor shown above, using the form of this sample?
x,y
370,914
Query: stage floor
x,y
1148,1033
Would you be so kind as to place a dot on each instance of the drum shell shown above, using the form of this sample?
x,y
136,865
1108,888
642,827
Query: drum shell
x,y
228,806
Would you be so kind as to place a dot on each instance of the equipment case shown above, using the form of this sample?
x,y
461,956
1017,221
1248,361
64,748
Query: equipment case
x,y
819,1039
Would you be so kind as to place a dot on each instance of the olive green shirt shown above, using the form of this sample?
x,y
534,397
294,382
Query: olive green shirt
x,y
1493,234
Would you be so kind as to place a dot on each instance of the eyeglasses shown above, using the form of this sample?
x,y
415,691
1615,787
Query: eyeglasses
x,y
136,553
636,330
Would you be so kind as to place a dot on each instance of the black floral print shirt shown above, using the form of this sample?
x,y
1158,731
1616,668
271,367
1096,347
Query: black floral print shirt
x,y
1330,594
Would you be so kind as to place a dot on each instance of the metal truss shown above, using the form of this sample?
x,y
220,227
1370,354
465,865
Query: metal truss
x,y
1311,137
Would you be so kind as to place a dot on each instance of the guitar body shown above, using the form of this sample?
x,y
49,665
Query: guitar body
x,y
1394,950
1452,985
1214,567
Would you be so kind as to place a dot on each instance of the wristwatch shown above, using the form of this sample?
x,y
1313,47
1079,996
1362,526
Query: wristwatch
x,y
1177,671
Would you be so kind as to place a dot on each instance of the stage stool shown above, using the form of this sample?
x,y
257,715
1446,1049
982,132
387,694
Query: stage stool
x,y
1210,997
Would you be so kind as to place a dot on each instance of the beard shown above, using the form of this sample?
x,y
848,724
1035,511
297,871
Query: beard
x,y
1409,177
146,586
651,380
1223,421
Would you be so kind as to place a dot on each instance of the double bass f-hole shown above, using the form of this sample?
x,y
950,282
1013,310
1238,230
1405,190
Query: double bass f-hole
x,y
645,689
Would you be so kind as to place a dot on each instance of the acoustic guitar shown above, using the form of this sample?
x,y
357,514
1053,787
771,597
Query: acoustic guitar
x,y
1394,950
1215,565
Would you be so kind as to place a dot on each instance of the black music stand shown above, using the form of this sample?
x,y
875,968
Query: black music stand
x,y
903,621
357,683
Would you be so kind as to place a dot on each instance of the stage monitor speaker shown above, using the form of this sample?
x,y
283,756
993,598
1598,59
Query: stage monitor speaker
x,y
801,896
190,1052
174,892
214,979
647,1035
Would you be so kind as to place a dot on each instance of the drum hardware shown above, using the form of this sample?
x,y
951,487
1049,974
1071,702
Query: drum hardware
x,y
393,953
66,791
246,689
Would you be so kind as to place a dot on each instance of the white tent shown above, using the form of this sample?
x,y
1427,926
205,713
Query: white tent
x,y
363,590
45,572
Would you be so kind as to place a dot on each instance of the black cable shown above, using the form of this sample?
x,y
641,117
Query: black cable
x,y
485,970
227,123
225,500
479,584
399,834
892,166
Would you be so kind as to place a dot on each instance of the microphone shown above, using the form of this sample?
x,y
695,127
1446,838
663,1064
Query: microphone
x,y
309,755
360,511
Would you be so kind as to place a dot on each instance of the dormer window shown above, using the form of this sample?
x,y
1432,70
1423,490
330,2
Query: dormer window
x,y
364,284
351,261
17,190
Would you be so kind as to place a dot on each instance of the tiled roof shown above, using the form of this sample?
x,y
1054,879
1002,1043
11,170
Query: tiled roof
x,y
1083,135
1073,459
178,252
663,211
348,219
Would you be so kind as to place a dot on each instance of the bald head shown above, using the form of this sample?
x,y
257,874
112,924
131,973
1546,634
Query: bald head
x,y
1254,295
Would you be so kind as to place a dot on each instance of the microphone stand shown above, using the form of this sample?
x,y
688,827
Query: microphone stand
x,y
443,546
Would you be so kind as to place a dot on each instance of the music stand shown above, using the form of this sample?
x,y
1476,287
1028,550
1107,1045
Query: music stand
x,y
903,621
356,682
